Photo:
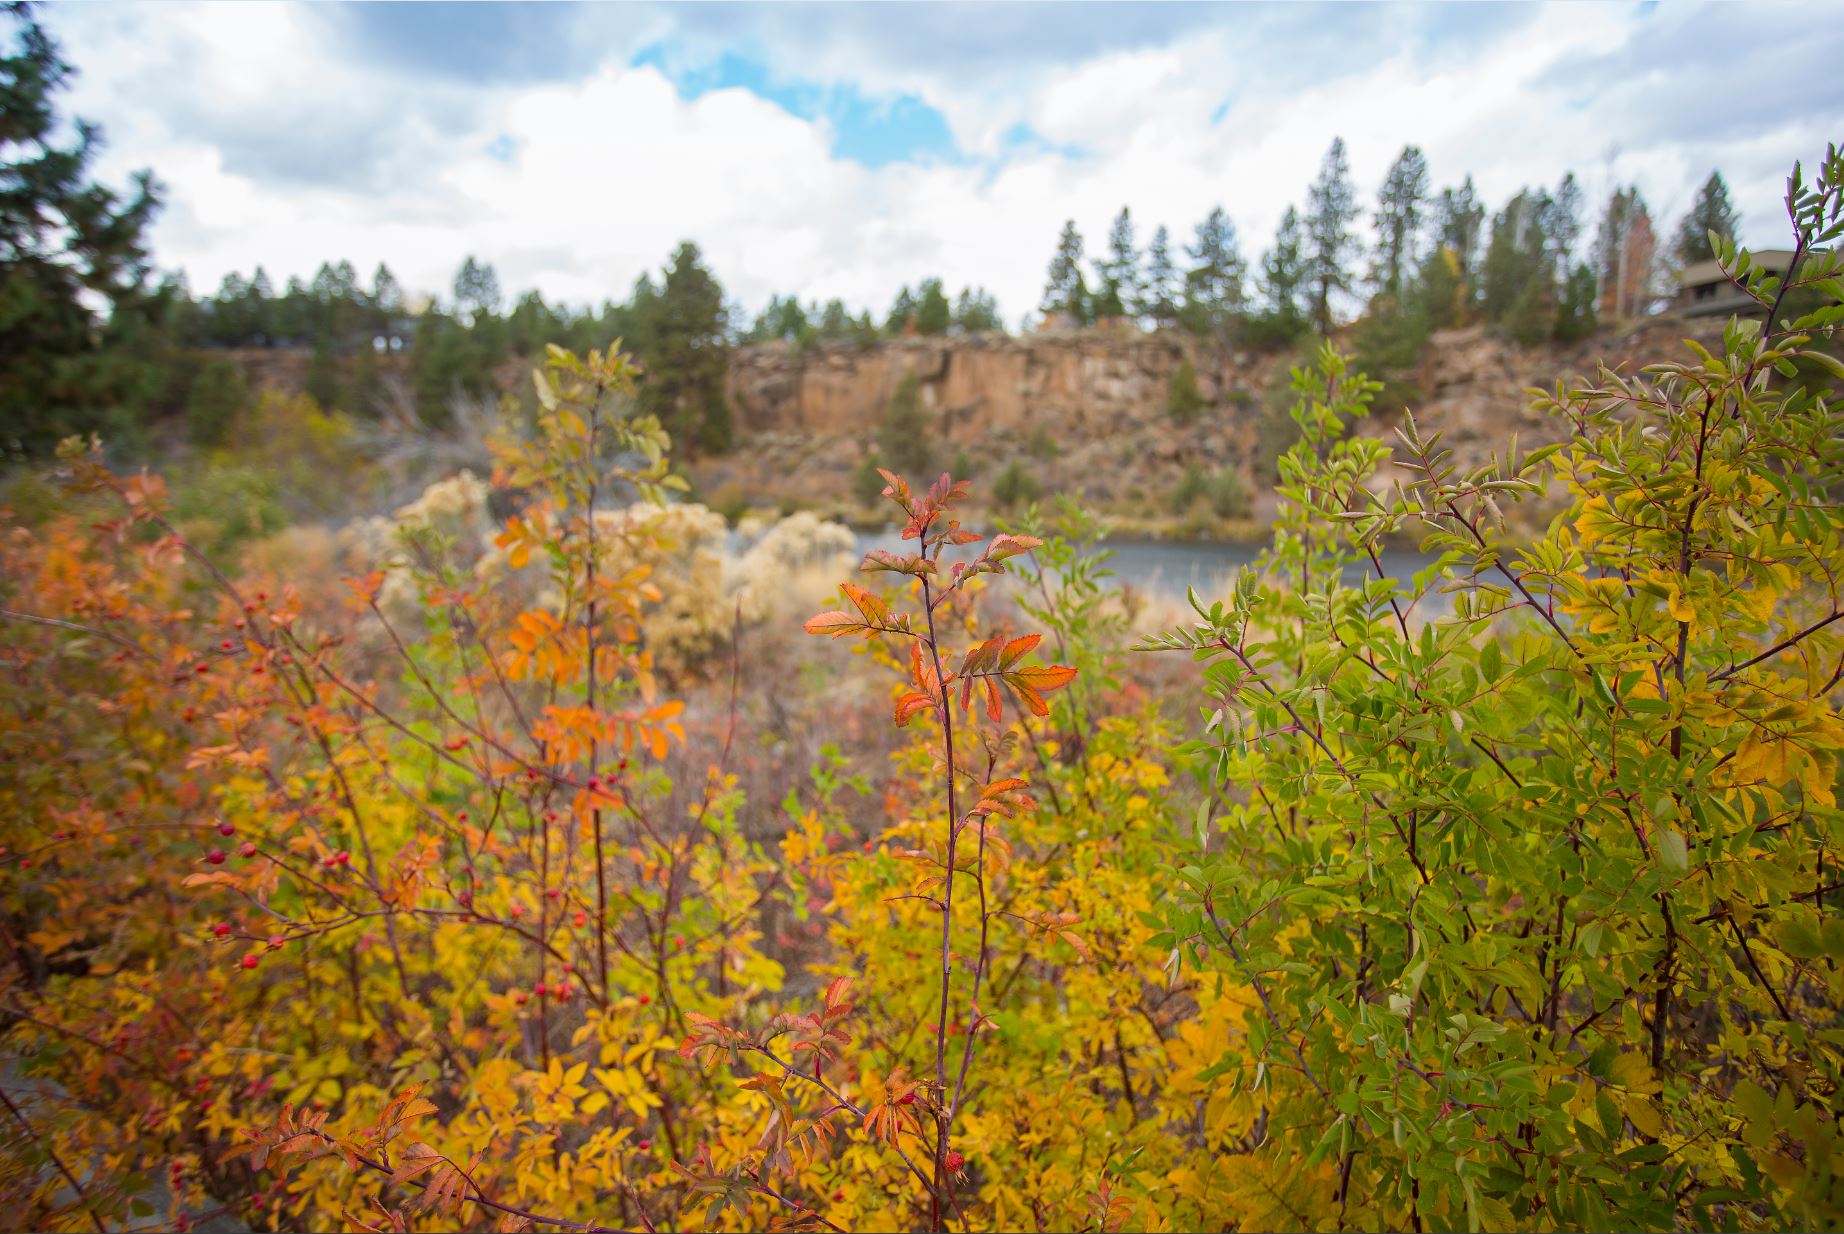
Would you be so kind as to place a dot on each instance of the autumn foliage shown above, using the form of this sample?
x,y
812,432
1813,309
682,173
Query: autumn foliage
x,y
1503,897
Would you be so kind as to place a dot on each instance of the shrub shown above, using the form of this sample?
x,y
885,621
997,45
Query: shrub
x,y
1229,497
1222,490
1015,485
1525,861
1182,400
905,435
218,395
1503,897
867,482
1189,490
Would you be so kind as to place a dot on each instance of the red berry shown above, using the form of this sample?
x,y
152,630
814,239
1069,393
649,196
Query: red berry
x,y
954,1161
248,849
342,857
215,856
837,1196
678,941
276,940
517,910
566,992
250,961
552,894
581,919
540,989
221,929
643,1145
645,999
225,829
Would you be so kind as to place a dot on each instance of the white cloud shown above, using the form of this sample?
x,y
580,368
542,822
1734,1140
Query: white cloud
x,y
279,147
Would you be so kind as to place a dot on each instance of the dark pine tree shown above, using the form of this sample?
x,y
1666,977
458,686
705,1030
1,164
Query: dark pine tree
x,y
75,305
1712,211
1331,209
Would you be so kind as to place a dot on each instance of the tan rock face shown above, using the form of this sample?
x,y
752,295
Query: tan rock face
x,y
1080,382
1087,408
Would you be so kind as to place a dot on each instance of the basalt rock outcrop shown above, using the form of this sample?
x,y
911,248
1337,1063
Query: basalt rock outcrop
x,y
1088,409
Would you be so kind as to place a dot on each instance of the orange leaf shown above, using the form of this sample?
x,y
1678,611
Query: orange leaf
x,y
833,623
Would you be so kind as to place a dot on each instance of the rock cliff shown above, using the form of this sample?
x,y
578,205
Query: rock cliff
x,y
1088,409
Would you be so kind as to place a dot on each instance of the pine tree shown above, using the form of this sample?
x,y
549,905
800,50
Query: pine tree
x,y
68,246
218,394
1442,291
976,312
1562,221
1118,275
229,312
1399,218
688,357
933,312
902,312
1331,209
1517,276
1459,224
1285,275
835,320
477,292
1625,249
905,443
386,299
1575,316
1065,291
259,308
1711,211
1213,284
1159,304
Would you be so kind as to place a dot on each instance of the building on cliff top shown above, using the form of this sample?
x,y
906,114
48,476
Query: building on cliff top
x,y
1705,291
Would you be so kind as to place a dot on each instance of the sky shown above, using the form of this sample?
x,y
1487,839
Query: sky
x,y
851,149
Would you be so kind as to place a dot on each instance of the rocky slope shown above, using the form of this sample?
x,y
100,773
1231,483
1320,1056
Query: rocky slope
x,y
1087,410
1084,410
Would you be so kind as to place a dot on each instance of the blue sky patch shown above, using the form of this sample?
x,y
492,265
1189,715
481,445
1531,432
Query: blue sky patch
x,y
869,131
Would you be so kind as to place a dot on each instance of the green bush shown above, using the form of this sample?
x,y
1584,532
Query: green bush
x,y
1182,400
1190,489
867,483
218,396
1229,497
1015,485
905,433
1222,491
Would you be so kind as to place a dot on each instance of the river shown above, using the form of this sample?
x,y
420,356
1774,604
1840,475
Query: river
x,y
1167,567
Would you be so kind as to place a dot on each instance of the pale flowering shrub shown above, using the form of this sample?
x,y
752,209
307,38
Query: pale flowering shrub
x,y
705,580
788,563
450,519
683,546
